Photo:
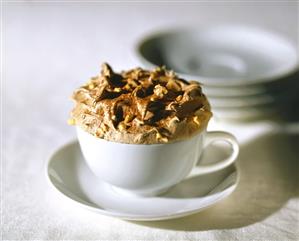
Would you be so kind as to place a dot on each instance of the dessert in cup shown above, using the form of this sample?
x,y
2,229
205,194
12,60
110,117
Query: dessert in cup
x,y
144,131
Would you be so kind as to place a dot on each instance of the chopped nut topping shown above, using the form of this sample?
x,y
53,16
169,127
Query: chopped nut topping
x,y
132,106
91,86
139,122
196,120
121,126
128,118
127,87
160,91
148,115
158,135
132,83
104,127
179,98
161,138
99,132
71,121
172,85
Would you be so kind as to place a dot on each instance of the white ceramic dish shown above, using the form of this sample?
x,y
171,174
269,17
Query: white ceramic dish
x,y
227,55
68,173
263,100
270,88
235,102
245,114
147,170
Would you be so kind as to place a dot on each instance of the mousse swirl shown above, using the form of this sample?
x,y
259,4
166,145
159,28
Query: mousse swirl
x,y
140,106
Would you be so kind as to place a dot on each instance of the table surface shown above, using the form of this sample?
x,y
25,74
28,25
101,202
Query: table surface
x,y
51,48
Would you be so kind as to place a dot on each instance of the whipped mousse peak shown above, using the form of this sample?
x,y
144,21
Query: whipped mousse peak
x,y
140,106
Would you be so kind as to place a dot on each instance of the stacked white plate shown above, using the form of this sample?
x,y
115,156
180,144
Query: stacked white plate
x,y
247,73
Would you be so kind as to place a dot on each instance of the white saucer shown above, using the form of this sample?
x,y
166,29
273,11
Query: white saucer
x,y
69,175
221,55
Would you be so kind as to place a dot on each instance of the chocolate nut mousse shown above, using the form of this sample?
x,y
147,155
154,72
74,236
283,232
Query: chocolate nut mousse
x,y
140,106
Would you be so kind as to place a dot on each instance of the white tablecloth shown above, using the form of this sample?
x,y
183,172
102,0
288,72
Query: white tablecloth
x,y
51,48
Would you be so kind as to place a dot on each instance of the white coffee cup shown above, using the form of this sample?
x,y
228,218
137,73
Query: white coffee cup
x,y
148,170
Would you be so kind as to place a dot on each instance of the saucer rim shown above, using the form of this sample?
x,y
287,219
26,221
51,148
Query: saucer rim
x,y
213,81
116,214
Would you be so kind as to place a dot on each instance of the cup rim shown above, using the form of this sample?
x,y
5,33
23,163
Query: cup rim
x,y
78,128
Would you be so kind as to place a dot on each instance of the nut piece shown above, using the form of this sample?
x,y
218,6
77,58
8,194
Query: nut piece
x,y
91,86
196,120
179,98
192,91
128,118
138,122
172,85
122,126
173,122
71,121
117,89
127,87
161,138
104,127
148,115
160,91
171,74
99,132
132,82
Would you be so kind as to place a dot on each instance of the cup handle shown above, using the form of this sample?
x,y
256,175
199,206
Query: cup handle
x,y
214,136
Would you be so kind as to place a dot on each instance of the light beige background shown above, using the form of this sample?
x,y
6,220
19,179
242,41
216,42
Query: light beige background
x,y
51,48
